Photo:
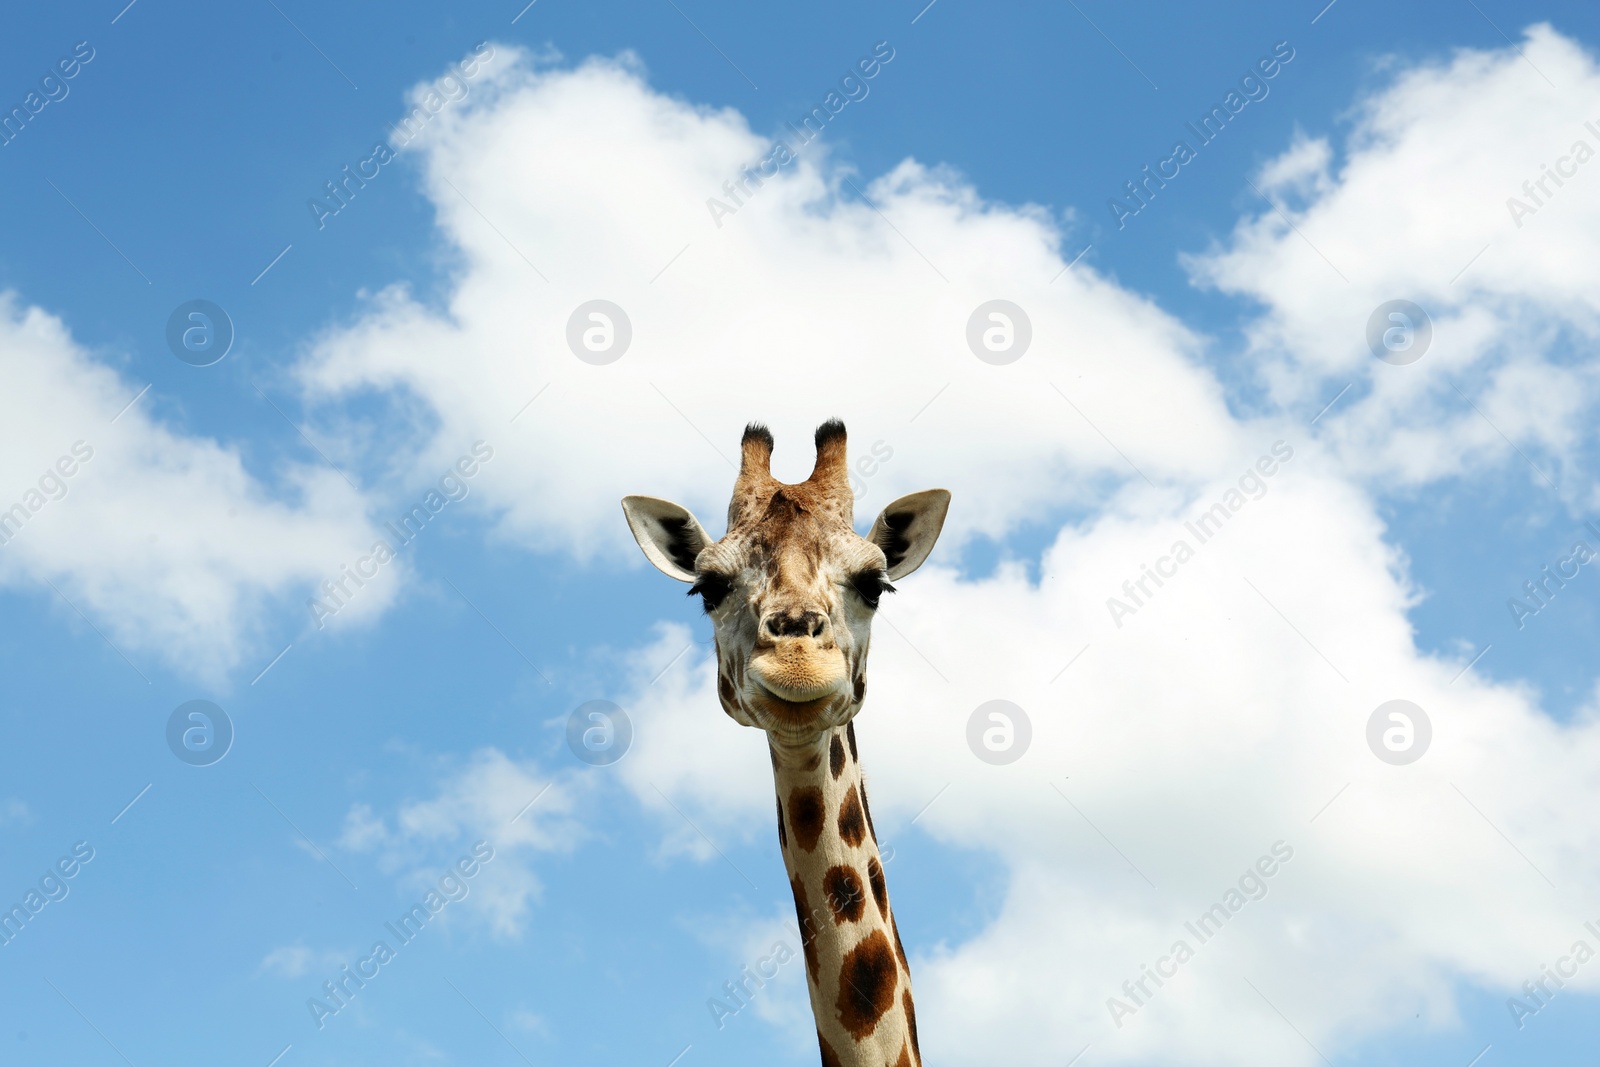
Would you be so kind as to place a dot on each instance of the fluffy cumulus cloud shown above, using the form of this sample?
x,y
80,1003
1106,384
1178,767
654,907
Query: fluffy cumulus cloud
x,y
677,735
1208,744
515,808
1213,723
161,538
562,186
1469,187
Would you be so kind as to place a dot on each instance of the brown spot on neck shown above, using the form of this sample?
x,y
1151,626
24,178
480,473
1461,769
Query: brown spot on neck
x,y
911,1022
899,947
852,825
880,888
867,809
830,1058
806,815
846,897
868,980
808,929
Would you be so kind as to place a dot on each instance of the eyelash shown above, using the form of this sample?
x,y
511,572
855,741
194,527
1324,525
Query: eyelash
x,y
870,586
712,589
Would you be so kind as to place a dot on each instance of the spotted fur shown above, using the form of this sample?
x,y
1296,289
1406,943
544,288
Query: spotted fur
x,y
911,1022
868,981
852,826
860,980
880,888
808,926
847,898
806,816
791,589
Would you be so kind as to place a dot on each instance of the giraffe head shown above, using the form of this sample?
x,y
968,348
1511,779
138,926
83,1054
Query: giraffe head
x,y
791,588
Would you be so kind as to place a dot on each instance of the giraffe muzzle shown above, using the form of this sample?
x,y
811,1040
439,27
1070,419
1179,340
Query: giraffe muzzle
x,y
795,671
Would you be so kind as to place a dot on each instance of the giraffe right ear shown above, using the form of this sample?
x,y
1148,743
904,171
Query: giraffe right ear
x,y
670,536
907,529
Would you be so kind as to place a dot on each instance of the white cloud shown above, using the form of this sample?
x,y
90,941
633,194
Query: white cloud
x,y
1223,714
519,809
1194,737
807,303
677,735
1417,209
767,975
163,538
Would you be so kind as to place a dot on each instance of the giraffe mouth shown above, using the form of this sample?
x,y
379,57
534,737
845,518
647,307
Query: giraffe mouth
x,y
798,675
796,683
788,711
797,698
787,695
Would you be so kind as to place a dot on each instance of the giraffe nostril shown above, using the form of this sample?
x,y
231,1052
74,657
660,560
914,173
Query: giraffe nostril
x,y
811,624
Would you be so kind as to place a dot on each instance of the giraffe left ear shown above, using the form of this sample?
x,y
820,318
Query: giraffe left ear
x,y
670,536
907,529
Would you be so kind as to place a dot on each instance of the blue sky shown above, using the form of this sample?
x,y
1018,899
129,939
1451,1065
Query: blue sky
x,y
373,352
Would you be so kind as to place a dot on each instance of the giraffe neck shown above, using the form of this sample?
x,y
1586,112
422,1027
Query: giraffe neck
x,y
856,970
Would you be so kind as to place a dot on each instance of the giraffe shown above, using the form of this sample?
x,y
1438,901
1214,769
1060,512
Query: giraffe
x,y
791,589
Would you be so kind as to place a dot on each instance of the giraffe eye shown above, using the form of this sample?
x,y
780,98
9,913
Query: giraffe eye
x,y
712,588
870,586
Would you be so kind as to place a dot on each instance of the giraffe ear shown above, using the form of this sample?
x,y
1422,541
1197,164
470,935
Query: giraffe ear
x,y
907,529
670,536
